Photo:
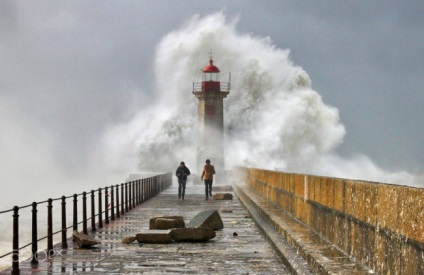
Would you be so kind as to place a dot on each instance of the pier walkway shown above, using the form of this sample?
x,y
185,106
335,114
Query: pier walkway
x,y
239,248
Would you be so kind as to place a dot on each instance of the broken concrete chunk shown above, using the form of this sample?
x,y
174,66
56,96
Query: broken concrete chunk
x,y
207,219
192,234
128,240
222,196
154,236
83,240
179,222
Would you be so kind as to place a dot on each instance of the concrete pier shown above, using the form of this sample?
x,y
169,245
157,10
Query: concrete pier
x,y
239,248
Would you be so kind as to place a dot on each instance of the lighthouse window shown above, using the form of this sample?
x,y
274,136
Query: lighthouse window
x,y
211,77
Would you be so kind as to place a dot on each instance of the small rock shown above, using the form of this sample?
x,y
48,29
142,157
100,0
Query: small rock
x,y
128,240
222,196
226,210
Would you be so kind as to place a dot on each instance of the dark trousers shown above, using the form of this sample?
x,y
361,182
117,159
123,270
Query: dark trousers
x,y
208,188
181,188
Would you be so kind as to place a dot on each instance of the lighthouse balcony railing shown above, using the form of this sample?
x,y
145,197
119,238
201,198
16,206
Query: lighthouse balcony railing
x,y
198,87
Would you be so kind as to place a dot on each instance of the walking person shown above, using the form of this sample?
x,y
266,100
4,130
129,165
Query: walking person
x,y
207,175
182,173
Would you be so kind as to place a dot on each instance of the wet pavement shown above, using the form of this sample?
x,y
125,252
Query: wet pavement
x,y
240,248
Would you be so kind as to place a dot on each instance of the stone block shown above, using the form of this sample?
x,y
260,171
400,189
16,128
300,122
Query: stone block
x,y
371,203
311,188
192,234
329,189
273,178
207,219
152,222
387,215
83,240
222,196
164,223
349,197
338,195
360,200
299,185
412,220
323,196
154,236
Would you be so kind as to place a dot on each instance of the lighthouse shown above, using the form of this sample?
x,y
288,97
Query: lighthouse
x,y
210,124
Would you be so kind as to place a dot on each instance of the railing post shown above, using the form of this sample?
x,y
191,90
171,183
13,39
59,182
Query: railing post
x,y
75,214
100,209
50,227
106,205
150,188
134,194
34,244
147,188
142,190
117,201
130,195
126,197
93,212
84,213
15,255
122,199
64,229
112,203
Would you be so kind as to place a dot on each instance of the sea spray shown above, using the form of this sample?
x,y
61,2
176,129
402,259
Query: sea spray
x,y
273,119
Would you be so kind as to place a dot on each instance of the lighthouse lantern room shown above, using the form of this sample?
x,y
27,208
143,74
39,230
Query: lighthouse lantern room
x,y
210,78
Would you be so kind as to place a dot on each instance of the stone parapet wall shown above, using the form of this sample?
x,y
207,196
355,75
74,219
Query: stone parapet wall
x,y
381,225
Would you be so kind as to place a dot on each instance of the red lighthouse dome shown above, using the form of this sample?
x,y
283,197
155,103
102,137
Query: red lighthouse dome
x,y
211,68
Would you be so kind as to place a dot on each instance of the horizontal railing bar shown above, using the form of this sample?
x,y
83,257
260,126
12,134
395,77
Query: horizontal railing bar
x,y
25,206
2,256
6,211
46,201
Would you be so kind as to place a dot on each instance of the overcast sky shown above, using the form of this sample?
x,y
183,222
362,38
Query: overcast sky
x,y
71,69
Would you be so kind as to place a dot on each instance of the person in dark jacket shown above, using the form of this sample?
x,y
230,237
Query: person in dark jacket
x,y
182,173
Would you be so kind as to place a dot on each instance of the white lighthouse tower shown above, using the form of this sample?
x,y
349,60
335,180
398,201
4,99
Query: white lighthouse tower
x,y
210,126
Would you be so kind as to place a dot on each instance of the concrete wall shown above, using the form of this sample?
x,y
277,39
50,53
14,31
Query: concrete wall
x,y
381,225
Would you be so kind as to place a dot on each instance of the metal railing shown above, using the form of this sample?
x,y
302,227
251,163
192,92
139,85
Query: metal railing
x,y
123,198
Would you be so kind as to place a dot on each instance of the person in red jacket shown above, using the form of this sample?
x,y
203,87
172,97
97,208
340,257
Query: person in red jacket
x,y
207,175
